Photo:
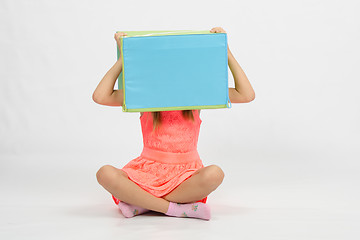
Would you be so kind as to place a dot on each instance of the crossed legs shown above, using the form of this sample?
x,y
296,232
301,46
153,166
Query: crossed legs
x,y
199,185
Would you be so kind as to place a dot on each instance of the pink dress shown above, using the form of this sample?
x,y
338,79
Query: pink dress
x,y
169,154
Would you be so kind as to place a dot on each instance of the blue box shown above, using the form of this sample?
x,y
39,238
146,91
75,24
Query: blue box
x,y
173,70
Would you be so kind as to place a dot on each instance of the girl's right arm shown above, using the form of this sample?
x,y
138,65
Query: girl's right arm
x,y
104,93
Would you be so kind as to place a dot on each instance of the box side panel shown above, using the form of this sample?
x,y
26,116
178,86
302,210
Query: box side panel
x,y
120,85
163,33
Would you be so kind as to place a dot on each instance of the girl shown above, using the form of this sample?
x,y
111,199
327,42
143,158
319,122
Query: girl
x,y
168,176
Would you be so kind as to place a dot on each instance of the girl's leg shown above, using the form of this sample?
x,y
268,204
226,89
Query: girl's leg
x,y
198,186
116,182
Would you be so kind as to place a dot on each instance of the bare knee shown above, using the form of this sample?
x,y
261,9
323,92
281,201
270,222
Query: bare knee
x,y
213,176
106,174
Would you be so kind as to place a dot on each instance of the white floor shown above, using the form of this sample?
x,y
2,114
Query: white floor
x,y
54,197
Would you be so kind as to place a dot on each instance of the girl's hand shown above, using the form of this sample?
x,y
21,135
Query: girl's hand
x,y
217,30
117,37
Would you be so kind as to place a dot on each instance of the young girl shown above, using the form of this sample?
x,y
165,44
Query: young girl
x,y
168,176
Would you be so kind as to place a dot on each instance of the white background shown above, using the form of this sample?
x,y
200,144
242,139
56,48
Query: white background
x,y
290,157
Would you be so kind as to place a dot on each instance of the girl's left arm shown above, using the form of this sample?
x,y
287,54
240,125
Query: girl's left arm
x,y
243,91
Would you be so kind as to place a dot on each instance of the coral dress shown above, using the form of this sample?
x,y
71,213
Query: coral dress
x,y
169,154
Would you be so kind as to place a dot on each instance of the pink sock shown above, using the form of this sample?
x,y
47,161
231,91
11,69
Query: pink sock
x,y
129,210
194,210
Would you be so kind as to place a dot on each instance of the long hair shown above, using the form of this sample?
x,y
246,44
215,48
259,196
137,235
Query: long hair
x,y
188,114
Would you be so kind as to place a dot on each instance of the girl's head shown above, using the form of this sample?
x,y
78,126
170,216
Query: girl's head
x,y
188,114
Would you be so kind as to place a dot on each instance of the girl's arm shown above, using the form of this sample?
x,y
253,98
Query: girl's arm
x,y
243,91
104,93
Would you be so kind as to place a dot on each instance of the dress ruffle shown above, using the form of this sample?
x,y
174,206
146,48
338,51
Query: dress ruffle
x,y
159,178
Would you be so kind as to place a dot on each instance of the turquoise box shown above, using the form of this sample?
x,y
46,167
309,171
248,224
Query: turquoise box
x,y
173,70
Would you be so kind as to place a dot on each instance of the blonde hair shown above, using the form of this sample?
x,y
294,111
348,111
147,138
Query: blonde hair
x,y
188,114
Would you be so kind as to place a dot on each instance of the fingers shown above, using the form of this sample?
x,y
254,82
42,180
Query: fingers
x,y
122,33
119,34
217,30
